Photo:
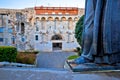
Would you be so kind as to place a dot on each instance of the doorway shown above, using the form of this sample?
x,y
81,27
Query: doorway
x,y
57,46
57,42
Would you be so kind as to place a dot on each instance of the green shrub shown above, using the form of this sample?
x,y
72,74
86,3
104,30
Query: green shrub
x,y
79,30
78,33
8,53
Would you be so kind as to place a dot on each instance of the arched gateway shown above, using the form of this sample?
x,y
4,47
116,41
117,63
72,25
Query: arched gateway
x,y
56,42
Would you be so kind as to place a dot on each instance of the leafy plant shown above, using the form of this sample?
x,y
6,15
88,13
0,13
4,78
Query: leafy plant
x,y
78,33
79,30
8,53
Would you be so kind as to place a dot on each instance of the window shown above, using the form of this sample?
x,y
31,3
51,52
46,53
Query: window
x,y
36,37
1,39
22,28
23,39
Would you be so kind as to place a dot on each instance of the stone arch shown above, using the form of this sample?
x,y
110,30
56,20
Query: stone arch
x,y
75,19
56,37
70,19
57,18
50,18
63,18
37,18
43,18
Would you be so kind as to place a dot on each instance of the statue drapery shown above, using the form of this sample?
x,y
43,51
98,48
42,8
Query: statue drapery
x,y
101,34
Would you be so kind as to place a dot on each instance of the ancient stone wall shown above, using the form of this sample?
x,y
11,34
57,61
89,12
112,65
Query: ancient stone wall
x,y
31,30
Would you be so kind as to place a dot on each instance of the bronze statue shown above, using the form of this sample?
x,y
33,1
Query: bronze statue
x,y
101,34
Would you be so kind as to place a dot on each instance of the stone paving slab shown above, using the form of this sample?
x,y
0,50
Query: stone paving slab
x,y
50,74
52,59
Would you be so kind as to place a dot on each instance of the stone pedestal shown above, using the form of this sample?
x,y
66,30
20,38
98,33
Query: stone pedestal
x,y
92,67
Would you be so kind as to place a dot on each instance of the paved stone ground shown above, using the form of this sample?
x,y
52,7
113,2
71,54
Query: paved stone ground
x,y
50,74
50,69
52,59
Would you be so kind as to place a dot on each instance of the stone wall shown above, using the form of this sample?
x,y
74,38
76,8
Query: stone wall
x,y
32,31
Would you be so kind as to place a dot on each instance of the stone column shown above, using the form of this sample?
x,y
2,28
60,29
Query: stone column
x,y
68,32
55,24
68,24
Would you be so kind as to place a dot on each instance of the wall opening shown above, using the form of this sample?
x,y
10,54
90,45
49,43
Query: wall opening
x,y
22,28
57,44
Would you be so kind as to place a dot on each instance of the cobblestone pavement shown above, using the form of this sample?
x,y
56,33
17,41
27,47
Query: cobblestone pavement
x,y
52,59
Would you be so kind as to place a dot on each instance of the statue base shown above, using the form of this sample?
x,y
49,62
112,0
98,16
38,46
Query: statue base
x,y
92,67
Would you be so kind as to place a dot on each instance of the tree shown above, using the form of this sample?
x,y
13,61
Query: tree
x,y
79,29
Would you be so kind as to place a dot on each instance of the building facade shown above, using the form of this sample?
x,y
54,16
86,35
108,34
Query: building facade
x,y
42,28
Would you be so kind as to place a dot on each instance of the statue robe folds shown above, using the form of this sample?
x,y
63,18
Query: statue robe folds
x,y
101,34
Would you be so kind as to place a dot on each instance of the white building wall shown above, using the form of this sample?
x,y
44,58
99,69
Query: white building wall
x,y
54,27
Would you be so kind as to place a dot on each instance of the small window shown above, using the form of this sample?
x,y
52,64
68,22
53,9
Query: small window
x,y
36,37
23,39
22,28
1,39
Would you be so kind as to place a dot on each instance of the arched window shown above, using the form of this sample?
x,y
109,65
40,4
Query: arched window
x,y
69,19
50,19
57,18
43,18
37,18
76,19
